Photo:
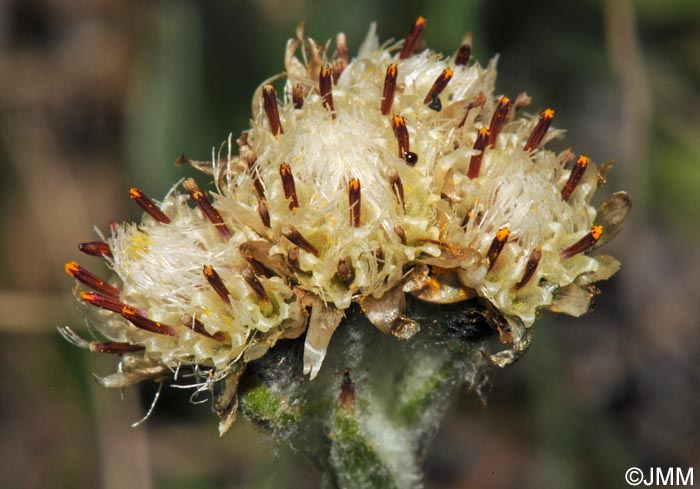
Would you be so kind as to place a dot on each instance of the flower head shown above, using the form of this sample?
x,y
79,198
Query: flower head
x,y
396,172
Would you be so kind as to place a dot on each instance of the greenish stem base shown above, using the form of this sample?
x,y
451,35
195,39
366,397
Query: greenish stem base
x,y
370,428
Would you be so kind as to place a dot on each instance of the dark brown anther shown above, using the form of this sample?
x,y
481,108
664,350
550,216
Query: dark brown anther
x,y
298,96
400,233
250,158
355,201
216,283
95,248
293,258
478,101
438,85
378,254
346,398
530,268
325,87
482,141
293,235
142,322
258,267
463,55
582,244
263,212
198,327
91,280
574,177
497,246
397,187
409,43
148,206
290,189
398,123
207,208
499,118
271,110
106,302
255,285
345,271
540,130
389,88
466,219
113,347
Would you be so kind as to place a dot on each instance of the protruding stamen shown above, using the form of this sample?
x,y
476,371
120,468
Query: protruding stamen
x,y
264,212
398,123
409,44
466,219
355,201
463,55
293,235
91,280
198,327
389,88
397,187
271,110
400,233
216,283
293,258
148,205
540,130
95,248
439,85
106,302
530,268
378,254
258,268
482,140
345,272
497,246
498,119
574,177
290,189
256,285
142,322
325,87
478,101
207,208
113,347
582,244
298,96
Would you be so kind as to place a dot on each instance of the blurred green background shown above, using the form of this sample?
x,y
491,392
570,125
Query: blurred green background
x,y
97,96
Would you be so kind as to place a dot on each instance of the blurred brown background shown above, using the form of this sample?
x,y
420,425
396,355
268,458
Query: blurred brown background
x,y
100,95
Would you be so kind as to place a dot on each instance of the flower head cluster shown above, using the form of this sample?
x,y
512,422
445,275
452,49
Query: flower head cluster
x,y
396,172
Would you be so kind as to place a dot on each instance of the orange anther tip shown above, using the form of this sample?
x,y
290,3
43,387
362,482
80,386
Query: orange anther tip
x,y
597,232
548,114
72,268
502,234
